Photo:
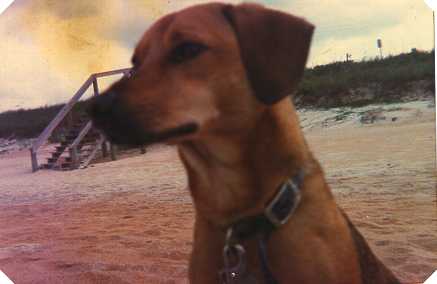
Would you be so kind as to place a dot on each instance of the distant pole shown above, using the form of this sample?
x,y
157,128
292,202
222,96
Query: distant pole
x,y
435,87
379,44
348,56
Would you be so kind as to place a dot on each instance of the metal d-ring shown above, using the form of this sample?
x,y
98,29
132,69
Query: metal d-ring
x,y
234,258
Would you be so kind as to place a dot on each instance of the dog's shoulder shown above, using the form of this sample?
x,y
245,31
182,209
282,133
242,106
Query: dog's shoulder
x,y
372,269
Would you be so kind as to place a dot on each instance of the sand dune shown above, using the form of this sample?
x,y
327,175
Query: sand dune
x,y
130,221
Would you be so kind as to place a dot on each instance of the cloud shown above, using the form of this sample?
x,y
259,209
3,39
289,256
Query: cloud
x,y
50,47
69,9
401,25
47,55
24,86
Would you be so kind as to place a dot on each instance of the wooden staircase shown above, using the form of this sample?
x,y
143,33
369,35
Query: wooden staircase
x,y
78,142
63,159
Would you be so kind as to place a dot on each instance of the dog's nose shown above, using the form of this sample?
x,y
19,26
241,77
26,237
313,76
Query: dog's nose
x,y
102,104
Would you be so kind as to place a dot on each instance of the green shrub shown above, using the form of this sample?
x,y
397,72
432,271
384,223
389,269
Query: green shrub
x,y
337,78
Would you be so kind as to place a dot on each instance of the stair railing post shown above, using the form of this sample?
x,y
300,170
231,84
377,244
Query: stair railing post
x,y
74,157
127,73
34,159
95,86
104,149
113,151
74,147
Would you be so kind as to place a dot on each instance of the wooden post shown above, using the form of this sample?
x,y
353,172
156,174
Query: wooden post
x,y
34,160
113,152
104,149
74,157
95,87
127,73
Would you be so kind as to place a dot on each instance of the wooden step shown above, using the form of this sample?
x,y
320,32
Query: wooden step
x,y
87,147
60,148
66,143
52,160
56,155
87,141
47,166
73,133
66,166
70,137
82,121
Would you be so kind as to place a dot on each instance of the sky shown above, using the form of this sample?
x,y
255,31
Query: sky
x,y
48,48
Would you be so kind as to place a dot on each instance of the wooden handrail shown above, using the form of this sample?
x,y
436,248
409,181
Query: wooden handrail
x,y
82,134
74,151
44,136
113,72
61,115
86,162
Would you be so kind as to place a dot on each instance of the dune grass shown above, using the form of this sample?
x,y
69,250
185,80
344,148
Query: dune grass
x,y
337,79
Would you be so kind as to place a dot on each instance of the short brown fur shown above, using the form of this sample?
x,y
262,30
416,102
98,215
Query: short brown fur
x,y
243,139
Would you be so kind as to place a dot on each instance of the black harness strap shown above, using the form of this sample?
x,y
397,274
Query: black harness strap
x,y
269,278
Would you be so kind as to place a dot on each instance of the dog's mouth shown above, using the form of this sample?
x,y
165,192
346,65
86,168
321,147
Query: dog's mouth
x,y
173,134
135,136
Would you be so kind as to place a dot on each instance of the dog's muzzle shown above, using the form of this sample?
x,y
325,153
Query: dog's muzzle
x,y
110,115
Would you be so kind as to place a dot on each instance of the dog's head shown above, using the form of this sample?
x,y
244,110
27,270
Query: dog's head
x,y
207,69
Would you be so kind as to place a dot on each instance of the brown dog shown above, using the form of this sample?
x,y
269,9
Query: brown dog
x,y
213,79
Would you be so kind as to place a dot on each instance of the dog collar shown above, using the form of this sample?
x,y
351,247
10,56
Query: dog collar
x,y
275,214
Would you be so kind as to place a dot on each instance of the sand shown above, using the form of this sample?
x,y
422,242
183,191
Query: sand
x,y
130,221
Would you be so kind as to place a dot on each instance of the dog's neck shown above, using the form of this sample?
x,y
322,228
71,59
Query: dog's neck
x,y
235,177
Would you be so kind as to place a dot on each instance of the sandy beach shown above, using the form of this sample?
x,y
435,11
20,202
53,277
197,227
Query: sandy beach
x,y
130,221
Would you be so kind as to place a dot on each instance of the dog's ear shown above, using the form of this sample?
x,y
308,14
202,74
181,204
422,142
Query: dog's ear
x,y
274,48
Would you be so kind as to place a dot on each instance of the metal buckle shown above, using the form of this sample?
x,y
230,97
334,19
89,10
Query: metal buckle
x,y
269,210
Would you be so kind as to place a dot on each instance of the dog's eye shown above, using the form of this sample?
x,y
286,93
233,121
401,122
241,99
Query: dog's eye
x,y
186,51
